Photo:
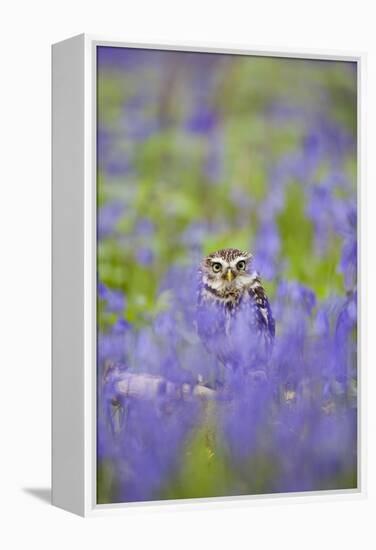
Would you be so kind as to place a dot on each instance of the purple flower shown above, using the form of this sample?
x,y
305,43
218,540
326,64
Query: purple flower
x,y
108,217
292,413
144,227
318,208
144,256
121,326
115,299
137,126
213,166
285,421
297,295
267,249
117,165
121,58
348,263
202,121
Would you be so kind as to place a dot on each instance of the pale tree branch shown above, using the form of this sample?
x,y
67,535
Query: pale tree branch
x,y
148,386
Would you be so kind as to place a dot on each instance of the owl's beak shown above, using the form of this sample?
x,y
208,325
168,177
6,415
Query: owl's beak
x,y
229,275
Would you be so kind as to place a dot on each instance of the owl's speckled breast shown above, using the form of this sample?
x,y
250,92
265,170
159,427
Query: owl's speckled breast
x,y
230,297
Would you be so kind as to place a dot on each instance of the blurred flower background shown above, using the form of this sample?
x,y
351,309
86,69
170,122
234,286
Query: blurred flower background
x,y
197,152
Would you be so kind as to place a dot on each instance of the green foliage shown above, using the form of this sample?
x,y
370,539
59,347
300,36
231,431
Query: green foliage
x,y
105,483
203,470
297,236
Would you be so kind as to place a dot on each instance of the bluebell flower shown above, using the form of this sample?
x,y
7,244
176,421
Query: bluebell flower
x,y
120,58
118,165
202,121
144,227
144,256
101,291
121,326
294,413
137,126
214,163
319,210
108,217
287,422
348,263
267,249
300,296
114,299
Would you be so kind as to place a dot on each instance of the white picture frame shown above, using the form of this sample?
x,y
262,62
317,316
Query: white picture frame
x,y
74,277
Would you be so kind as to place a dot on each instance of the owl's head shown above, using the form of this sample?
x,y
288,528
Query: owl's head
x,y
227,269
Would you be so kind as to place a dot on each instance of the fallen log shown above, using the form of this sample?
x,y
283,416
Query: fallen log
x,y
149,386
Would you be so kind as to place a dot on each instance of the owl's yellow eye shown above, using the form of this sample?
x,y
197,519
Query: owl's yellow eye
x,y
216,266
240,265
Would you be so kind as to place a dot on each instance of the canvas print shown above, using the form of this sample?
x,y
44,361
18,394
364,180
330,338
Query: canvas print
x,y
226,275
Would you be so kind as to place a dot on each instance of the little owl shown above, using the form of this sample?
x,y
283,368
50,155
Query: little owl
x,y
234,318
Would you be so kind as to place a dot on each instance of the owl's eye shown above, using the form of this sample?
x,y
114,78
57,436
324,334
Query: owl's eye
x,y
240,265
217,267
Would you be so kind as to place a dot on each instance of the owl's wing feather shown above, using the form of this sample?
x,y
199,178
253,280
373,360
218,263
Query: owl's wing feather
x,y
263,314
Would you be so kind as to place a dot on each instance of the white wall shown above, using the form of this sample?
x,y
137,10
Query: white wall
x,y
28,29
